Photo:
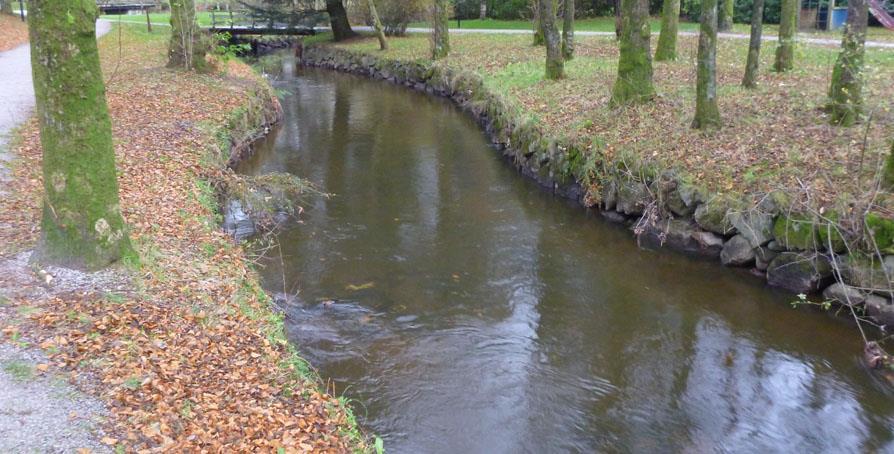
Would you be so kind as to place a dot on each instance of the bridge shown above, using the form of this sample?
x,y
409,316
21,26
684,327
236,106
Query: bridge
x,y
242,23
123,6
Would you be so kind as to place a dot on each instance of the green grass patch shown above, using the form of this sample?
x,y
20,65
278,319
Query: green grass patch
x,y
18,370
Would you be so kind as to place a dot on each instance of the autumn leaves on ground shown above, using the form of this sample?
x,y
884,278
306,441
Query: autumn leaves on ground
x,y
12,32
774,137
184,352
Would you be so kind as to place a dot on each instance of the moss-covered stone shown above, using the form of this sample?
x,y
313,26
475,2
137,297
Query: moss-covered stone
x,y
633,197
712,215
881,231
795,232
799,272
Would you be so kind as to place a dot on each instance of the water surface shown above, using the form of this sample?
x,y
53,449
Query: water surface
x,y
466,310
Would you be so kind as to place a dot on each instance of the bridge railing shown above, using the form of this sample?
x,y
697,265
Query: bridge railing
x,y
223,20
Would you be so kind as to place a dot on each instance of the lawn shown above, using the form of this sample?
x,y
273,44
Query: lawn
x,y
775,136
202,17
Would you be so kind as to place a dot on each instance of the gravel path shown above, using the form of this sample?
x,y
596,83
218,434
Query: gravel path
x,y
39,411
17,95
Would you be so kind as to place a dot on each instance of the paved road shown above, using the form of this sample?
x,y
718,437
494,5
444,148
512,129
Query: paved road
x,y
17,93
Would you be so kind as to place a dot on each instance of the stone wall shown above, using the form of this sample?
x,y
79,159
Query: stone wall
x,y
662,207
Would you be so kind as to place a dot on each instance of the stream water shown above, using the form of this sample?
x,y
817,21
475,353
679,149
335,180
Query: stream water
x,y
466,310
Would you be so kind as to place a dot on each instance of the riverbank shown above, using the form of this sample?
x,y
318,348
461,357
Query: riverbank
x,y
777,190
184,348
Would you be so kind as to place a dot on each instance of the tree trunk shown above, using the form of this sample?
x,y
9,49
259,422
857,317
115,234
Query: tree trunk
x,y
482,10
568,30
788,25
440,34
187,48
539,39
887,177
846,91
754,45
377,25
555,64
707,115
725,15
634,82
618,23
82,225
338,20
667,40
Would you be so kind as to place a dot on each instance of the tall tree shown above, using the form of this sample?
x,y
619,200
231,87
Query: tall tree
x,y
887,176
338,20
377,25
440,34
788,24
618,20
82,225
667,40
568,30
482,10
555,63
725,15
707,115
754,45
846,91
187,48
634,82
539,38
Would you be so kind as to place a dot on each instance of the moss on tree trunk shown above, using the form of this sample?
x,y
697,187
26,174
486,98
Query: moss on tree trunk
x,y
539,39
82,225
754,45
788,25
568,30
725,15
634,82
887,176
187,48
338,20
667,40
707,115
440,34
377,25
846,91
555,63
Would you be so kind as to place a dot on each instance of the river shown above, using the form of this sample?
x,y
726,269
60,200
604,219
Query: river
x,y
466,310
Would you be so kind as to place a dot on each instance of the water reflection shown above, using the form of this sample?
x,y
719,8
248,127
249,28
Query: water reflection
x,y
470,312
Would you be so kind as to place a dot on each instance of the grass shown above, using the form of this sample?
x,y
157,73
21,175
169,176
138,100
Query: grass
x,y
202,17
18,370
607,24
772,137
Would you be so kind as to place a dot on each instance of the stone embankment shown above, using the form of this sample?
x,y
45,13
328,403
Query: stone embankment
x,y
790,249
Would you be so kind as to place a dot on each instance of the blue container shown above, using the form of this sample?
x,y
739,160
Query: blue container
x,y
839,17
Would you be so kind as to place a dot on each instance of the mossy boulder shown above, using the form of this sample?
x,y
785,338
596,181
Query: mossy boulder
x,y
633,197
867,272
755,226
881,231
799,272
795,232
712,215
